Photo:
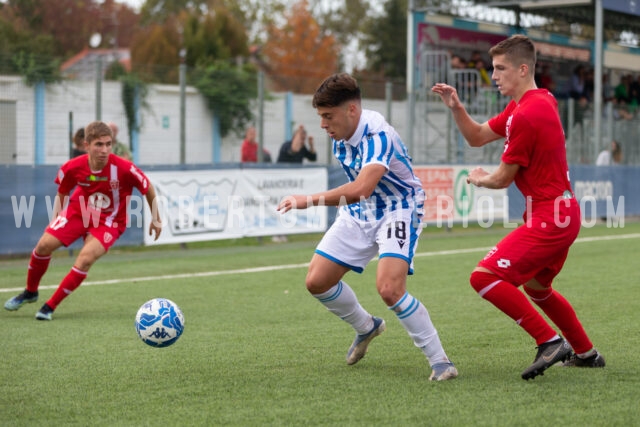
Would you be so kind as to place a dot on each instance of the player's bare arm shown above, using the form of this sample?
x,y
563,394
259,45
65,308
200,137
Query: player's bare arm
x,y
348,193
155,228
475,133
500,178
59,203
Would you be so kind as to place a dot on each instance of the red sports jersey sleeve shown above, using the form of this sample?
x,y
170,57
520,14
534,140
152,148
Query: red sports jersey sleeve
x,y
535,141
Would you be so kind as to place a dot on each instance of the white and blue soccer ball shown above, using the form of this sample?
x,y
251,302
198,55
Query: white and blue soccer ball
x,y
159,322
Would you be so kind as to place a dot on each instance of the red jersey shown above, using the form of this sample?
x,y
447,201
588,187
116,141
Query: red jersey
x,y
107,190
535,141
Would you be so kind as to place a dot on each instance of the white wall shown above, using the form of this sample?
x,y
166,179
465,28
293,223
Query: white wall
x,y
159,138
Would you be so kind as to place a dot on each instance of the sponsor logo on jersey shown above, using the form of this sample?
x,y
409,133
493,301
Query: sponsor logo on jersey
x,y
99,201
95,178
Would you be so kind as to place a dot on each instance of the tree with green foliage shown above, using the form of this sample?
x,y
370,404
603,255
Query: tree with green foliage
x,y
26,53
386,38
155,53
212,37
229,91
134,93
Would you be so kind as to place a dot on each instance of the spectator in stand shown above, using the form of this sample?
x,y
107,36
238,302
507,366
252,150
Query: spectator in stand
x,y
622,91
78,144
296,150
589,84
475,57
610,157
608,91
545,79
457,63
634,92
249,149
119,148
485,80
576,82
621,110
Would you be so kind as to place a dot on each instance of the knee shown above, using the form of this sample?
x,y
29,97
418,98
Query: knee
x,y
390,292
482,281
85,261
538,294
315,283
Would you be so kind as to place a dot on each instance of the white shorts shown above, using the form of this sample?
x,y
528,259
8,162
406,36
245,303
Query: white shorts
x,y
353,243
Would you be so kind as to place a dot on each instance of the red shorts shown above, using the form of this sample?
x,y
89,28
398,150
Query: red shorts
x,y
70,225
538,248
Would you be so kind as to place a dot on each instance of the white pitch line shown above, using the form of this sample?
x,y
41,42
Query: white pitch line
x,y
293,266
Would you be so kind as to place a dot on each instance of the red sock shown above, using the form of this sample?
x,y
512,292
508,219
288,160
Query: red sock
x,y
69,284
563,315
38,265
512,302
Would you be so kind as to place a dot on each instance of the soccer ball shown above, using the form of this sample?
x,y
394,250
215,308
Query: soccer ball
x,y
159,322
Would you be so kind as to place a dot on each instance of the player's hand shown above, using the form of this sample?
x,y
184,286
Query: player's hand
x,y
448,94
475,176
297,201
155,228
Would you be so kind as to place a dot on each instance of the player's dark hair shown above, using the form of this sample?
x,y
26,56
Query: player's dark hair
x,y
336,90
78,137
518,49
95,130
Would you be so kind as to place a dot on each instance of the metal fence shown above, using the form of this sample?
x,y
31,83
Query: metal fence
x,y
51,112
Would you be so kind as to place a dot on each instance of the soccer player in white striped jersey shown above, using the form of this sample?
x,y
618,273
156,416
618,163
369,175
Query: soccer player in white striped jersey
x,y
380,212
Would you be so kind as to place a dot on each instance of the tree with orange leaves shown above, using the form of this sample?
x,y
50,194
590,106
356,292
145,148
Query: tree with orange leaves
x,y
299,54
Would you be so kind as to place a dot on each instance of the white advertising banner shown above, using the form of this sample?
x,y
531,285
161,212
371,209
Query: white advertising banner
x,y
233,203
450,199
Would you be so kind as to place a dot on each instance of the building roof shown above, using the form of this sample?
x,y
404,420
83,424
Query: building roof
x,y
618,15
83,64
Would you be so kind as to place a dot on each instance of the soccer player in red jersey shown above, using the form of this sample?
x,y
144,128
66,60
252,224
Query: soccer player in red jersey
x,y
533,254
96,211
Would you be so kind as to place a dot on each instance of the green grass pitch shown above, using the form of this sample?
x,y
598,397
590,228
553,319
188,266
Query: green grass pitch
x,y
259,350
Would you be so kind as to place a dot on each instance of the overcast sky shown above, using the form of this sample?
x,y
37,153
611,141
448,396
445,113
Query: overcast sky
x,y
133,3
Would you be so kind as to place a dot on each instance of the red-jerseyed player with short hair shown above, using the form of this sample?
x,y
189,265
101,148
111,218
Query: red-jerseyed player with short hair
x,y
96,211
534,253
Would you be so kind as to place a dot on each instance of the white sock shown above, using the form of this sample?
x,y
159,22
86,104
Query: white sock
x,y
342,301
414,317
587,354
553,339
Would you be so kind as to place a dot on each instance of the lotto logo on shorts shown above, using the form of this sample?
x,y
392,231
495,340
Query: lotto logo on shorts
x,y
504,263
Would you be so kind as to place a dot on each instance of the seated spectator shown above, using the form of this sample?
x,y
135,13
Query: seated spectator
x,y
610,157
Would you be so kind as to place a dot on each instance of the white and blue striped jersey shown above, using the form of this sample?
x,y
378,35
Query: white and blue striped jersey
x,y
376,142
